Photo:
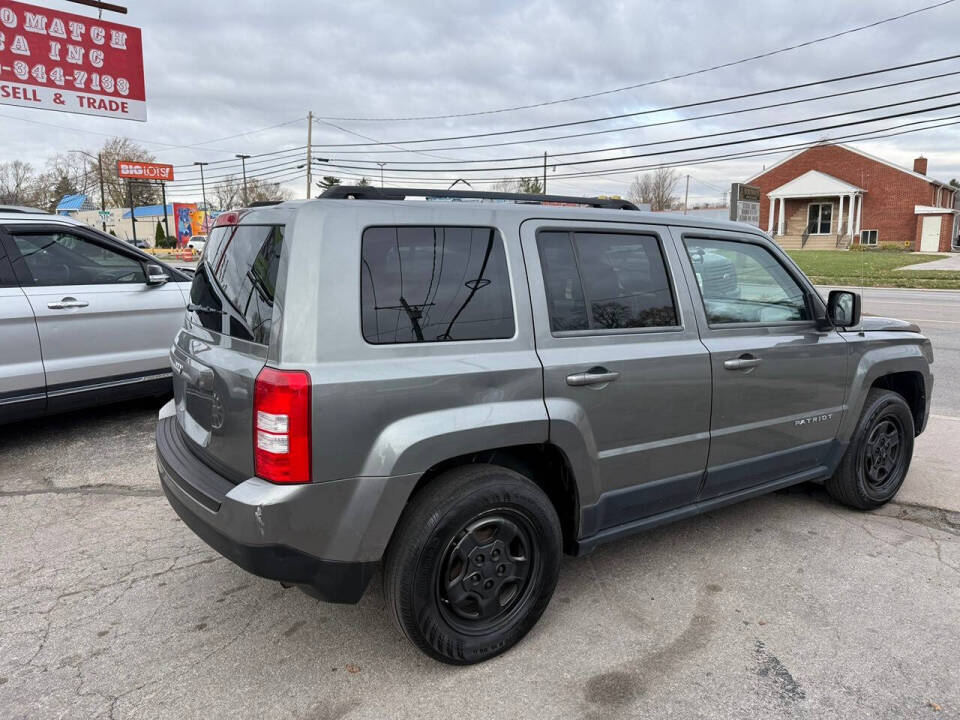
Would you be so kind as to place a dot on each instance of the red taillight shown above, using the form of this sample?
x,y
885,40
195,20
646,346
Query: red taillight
x,y
281,426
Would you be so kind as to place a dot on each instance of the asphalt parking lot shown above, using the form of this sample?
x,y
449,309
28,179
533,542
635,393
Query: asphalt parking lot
x,y
788,606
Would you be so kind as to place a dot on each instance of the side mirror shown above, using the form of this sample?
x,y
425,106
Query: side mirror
x,y
843,308
156,275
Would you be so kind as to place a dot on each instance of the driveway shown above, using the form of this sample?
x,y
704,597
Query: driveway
x,y
952,262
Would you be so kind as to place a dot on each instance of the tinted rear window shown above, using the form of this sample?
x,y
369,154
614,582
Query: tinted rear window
x,y
433,284
236,281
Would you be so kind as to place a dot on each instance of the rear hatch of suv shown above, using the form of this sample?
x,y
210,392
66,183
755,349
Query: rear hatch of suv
x,y
224,343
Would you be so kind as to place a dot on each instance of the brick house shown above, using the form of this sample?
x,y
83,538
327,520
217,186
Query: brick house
x,y
829,196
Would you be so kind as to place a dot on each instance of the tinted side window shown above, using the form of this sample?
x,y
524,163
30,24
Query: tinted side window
x,y
742,282
67,259
565,303
605,281
433,284
6,270
235,284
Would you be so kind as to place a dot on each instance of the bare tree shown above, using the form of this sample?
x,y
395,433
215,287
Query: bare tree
x,y
228,193
641,190
266,191
20,184
506,186
664,186
72,170
114,150
658,188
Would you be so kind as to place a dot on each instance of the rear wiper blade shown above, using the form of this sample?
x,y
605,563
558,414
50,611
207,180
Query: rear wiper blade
x,y
193,307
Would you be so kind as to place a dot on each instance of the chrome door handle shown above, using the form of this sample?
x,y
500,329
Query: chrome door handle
x,y
593,376
67,302
744,362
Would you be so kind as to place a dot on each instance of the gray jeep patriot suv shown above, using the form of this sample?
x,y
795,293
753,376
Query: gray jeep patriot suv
x,y
464,391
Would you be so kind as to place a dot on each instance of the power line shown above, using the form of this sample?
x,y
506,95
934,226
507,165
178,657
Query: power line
x,y
463,170
257,159
725,113
689,137
146,143
266,174
866,135
875,134
378,142
683,106
648,83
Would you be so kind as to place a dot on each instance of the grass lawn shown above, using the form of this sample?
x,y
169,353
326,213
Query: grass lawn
x,y
872,268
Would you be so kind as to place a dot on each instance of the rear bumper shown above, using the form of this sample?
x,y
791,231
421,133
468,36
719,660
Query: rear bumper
x,y
327,537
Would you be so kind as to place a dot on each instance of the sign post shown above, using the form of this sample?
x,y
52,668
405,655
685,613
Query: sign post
x,y
56,60
745,204
133,212
166,224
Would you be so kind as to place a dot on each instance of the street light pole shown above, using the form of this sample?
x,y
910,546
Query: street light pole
x,y
243,162
381,164
203,186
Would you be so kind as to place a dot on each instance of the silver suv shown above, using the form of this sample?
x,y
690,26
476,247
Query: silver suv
x,y
464,391
84,317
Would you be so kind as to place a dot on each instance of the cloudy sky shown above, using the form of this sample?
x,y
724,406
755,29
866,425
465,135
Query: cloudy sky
x,y
240,76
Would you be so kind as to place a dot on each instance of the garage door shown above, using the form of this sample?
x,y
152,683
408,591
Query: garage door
x,y
930,233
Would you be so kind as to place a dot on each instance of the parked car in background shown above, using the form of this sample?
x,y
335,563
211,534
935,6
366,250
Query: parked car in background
x,y
85,318
138,243
197,243
465,391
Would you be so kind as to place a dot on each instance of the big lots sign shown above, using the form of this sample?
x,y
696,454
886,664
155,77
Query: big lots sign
x,y
144,170
61,61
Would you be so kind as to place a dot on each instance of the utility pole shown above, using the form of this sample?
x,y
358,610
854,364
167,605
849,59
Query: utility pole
x,y
544,173
309,154
166,222
103,202
381,164
243,163
686,194
203,185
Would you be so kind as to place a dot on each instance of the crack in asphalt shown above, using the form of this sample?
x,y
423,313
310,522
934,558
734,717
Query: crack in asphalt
x,y
933,517
97,489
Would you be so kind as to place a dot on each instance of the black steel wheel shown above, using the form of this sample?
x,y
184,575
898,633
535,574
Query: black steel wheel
x,y
882,453
878,457
485,572
473,563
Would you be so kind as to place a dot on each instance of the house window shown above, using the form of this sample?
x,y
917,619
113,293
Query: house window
x,y
868,237
819,216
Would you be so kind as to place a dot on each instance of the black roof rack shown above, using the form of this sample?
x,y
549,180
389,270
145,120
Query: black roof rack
x,y
369,192
264,203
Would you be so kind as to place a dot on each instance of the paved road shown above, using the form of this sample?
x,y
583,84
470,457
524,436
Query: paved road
x,y
788,606
937,312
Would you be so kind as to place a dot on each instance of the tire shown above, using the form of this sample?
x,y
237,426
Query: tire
x,y
495,537
876,462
